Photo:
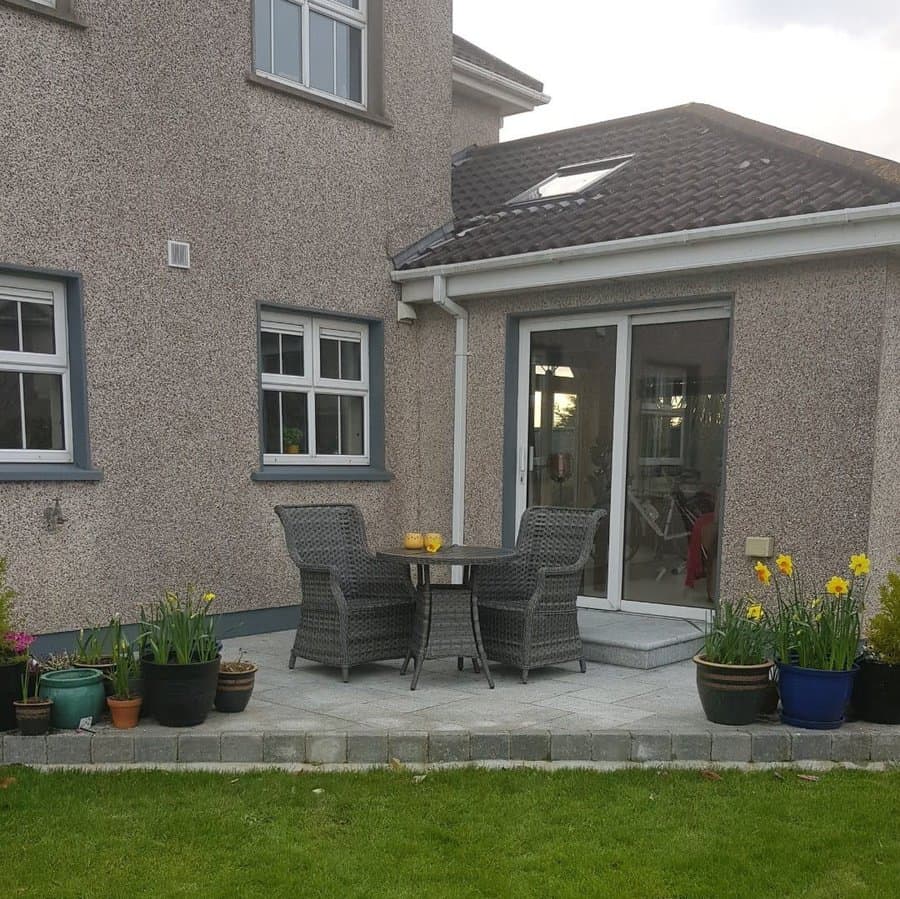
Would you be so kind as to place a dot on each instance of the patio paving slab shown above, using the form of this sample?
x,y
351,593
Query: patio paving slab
x,y
309,716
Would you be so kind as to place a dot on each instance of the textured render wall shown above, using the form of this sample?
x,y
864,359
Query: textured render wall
x,y
474,123
802,412
884,532
142,128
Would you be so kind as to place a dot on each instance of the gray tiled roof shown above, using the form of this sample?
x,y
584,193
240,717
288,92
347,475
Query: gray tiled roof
x,y
463,49
694,166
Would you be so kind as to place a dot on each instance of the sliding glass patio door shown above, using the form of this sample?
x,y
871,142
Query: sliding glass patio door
x,y
626,413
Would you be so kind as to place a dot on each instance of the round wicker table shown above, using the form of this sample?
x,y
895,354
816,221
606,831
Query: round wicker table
x,y
446,620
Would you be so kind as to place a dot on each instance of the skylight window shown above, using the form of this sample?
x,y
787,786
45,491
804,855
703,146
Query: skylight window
x,y
572,179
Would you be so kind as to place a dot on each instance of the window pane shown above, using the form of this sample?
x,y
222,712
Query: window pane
x,y
352,425
287,40
327,431
321,52
10,411
43,411
329,358
292,354
270,353
294,417
9,325
271,421
262,35
351,362
37,328
348,44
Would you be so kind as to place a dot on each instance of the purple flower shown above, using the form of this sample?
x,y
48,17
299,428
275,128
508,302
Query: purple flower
x,y
19,641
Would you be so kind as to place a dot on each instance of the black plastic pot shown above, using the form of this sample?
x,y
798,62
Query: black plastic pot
x,y
10,691
180,695
234,690
876,692
733,694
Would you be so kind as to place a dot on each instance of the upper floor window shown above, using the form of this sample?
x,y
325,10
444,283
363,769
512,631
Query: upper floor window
x,y
315,390
319,45
35,394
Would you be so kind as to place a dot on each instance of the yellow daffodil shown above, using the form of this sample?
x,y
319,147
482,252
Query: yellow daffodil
x,y
763,572
785,564
860,564
838,586
755,612
209,597
815,602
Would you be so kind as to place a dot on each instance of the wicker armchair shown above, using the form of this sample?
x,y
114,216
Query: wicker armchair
x,y
527,603
354,608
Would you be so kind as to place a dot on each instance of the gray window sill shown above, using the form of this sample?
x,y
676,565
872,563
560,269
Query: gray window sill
x,y
47,471
48,12
278,87
321,473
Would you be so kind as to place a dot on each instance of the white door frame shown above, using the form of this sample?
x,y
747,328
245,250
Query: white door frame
x,y
624,323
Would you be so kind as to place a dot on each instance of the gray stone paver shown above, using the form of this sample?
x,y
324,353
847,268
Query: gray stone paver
x,y
570,746
448,746
651,746
488,746
240,747
691,747
733,746
326,749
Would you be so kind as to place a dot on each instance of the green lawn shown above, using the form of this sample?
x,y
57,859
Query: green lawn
x,y
521,833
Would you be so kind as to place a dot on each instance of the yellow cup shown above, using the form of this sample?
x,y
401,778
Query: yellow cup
x,y
433,542
413,540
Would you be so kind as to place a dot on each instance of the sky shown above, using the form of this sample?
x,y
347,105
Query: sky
x,y
826,68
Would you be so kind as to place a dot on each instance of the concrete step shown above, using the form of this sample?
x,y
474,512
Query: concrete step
x,y
638,641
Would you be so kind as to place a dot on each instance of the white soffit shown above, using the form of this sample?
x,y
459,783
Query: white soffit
x,y
508,96
723,246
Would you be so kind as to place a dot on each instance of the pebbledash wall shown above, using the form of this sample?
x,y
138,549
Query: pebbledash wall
x,y
140,127
812,442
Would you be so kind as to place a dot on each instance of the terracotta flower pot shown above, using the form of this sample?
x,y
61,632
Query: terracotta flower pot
x,y
124,712
33,716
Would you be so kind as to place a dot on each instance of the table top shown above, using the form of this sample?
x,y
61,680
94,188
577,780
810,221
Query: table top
x,y
449,555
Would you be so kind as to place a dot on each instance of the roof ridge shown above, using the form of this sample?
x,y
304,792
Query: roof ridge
x,y
875,168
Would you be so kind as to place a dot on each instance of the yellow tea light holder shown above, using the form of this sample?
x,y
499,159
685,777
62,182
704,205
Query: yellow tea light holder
x,y
433,542
413,540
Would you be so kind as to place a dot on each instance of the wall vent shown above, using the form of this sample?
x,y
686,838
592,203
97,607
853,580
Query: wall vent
x,y
179,254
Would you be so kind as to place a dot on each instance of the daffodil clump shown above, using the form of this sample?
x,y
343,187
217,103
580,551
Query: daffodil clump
x,y
180,629
818,628
737,635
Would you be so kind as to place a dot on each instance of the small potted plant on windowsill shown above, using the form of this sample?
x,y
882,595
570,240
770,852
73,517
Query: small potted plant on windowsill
x,y
876,693
13,653
293,438
734,667
33,711
235,686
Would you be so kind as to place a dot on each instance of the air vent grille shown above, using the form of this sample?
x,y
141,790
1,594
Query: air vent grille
x,y
179,254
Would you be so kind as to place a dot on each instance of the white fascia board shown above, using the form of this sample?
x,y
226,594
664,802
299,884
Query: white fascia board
x,y
722,246
507,95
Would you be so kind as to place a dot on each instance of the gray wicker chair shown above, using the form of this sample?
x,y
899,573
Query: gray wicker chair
x,y
354,608
527,603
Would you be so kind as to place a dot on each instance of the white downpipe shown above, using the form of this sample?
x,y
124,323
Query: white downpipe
x,y
460,405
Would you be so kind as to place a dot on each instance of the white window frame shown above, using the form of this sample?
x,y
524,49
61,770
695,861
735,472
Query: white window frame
x,y
357,18
42,292
601,168
311,382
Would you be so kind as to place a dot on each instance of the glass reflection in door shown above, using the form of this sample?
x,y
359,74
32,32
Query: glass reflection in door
x,y
570,429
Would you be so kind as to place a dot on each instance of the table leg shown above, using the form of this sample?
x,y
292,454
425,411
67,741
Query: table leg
x,y
425,624
409,651
476,633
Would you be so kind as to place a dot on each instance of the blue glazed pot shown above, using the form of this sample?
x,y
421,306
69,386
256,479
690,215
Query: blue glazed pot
x,y
76,693
814,699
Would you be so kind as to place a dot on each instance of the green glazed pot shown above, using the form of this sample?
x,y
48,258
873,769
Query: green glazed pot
x,y
76,693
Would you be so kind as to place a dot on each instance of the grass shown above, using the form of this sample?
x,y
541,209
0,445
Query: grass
x,y
523,833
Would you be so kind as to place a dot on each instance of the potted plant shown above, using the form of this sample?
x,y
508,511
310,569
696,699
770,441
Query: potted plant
x,y
293,438
32,711
13,653
734,667
816,638
236,680
91,652
124,704
179,657
876,693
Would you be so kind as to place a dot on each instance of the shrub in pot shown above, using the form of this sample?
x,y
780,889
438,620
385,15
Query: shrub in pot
x,y
32,710
235,686
734,667
13,653
876,693
179,658
816,638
